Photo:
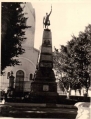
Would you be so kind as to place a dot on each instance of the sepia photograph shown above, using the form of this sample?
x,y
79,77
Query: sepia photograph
x,y
45,59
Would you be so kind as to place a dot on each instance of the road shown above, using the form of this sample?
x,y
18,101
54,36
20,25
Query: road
x,y
37,111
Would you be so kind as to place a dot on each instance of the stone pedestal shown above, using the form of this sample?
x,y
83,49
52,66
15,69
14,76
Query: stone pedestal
x,y
44,81
45,88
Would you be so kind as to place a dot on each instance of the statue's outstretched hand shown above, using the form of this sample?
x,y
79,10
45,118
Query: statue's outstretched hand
x,y
51,7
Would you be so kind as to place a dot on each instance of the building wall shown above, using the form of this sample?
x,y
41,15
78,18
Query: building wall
x,y
29,43
29,58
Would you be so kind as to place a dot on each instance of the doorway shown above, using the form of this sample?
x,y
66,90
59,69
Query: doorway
x,y
19,84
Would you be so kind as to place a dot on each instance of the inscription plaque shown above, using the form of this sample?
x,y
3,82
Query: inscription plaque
x,y
45,88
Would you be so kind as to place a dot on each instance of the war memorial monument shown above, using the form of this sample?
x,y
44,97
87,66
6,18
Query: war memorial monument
x,y
44,80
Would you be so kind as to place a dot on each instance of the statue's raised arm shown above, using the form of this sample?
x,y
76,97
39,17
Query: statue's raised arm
x,y
46,21
50,11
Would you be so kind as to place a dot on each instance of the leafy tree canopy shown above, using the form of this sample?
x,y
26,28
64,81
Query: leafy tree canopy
x,y
74,59
13,30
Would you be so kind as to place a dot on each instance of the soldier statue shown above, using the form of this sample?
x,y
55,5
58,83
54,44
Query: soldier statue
x,y
46,21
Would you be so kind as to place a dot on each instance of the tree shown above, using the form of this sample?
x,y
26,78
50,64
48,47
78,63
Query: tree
x,y
61,60
13,30
74,59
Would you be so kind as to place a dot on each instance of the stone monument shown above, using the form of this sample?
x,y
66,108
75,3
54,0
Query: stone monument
x,y
44,80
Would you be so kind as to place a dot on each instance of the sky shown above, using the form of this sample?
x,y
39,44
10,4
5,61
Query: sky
x,y
68,17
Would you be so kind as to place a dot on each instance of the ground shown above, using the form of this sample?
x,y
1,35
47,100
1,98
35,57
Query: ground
x,y
27,110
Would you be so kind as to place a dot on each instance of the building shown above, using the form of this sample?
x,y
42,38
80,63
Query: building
x,y
24,72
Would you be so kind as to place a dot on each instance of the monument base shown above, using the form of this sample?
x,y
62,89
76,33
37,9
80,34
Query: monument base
x,y
46,90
